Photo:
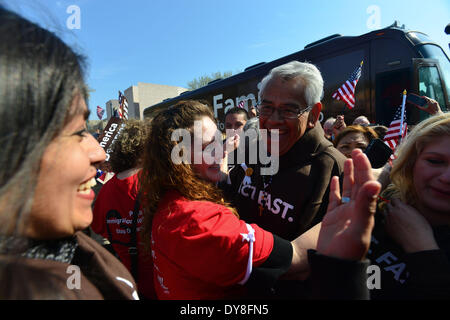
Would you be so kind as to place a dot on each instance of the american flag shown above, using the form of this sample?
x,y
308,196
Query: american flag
x,y
241,104
100,112
346,92
123,106
394,133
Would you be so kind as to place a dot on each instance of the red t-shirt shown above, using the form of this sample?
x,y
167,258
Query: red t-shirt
x,y
113,217
201,249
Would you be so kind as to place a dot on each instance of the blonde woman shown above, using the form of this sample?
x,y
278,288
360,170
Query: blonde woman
x,y
412,245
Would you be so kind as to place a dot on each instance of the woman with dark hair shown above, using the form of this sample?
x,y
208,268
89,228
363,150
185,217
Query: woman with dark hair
x,y
200,247
354,136
47,170
117,209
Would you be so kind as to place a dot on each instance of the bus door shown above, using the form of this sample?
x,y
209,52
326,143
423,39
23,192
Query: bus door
x,y
389,87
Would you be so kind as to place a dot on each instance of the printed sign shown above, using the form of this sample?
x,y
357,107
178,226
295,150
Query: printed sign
x,y
109,135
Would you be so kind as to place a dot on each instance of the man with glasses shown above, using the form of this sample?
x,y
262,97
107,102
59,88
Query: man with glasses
x,y
295,198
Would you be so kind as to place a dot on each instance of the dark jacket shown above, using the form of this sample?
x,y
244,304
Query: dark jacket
x,y
297,193
54,276
418,275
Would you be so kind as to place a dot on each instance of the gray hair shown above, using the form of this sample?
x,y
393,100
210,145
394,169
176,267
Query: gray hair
x,y
329,123
361,120
312,79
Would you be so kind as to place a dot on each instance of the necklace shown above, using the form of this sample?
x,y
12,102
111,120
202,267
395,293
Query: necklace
x,y
265,197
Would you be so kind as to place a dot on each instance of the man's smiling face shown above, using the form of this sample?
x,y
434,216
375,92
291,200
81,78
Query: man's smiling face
x,y
285,95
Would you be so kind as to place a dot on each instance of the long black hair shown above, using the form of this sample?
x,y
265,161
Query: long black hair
x,y
39,77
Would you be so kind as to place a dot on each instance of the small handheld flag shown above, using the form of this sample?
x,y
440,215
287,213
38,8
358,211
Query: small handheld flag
x,y
123,106
100,112
99,173
398,127
346,92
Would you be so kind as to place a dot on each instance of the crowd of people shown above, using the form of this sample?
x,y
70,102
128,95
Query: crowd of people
x,y
202,229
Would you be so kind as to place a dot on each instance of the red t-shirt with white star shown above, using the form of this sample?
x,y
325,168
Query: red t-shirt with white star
x,y
201,249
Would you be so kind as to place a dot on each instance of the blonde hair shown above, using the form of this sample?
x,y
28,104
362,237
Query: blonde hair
x,y
407,153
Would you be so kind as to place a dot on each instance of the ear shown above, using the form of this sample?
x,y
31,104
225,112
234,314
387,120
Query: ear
x,y
314,115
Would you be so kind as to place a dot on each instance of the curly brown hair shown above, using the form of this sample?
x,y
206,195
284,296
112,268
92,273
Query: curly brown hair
x,y
128,149
160,174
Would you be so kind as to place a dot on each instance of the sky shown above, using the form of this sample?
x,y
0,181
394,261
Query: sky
x,y
172,42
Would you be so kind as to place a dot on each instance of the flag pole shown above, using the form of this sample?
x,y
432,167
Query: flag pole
x,y
402,115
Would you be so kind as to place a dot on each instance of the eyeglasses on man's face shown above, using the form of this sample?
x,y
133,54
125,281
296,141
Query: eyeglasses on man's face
x,y
284,113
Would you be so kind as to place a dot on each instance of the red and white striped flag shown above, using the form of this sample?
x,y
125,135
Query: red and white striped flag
x,y
123,106
100,112
241,104
395,131
346,92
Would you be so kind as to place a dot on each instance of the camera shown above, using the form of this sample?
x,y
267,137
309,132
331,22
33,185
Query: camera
x,y
415,99
378,153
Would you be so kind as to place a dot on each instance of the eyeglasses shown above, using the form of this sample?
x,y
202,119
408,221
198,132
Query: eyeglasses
x,y
284,113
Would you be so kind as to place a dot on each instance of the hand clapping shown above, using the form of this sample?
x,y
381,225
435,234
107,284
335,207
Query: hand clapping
x,y
346,228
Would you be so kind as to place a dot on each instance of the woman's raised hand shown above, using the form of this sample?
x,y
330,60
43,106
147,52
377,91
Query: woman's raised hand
x,y
347,227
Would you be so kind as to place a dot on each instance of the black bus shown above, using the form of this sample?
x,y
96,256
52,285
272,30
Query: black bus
x,y
394,59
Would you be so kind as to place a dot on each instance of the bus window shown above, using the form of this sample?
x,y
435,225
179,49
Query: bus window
x,y
335,69
430,84
436,52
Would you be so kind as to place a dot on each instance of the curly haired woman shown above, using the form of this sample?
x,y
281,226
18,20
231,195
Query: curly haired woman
x,y
117,212
202,250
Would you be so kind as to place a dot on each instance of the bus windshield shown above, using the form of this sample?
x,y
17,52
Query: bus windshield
x,y
429,77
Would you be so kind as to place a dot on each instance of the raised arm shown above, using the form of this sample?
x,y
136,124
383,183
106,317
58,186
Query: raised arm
x,y
345,232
